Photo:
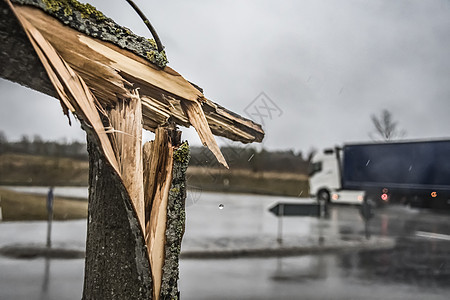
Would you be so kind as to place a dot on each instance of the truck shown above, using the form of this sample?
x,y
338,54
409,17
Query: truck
x,y
416,173
325,179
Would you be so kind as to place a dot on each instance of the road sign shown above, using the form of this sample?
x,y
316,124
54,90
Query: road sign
x,y
296,209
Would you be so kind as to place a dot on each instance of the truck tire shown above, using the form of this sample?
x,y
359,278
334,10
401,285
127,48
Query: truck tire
x,y
323,195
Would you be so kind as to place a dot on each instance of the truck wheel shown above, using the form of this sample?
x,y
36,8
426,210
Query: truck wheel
x,y
323,195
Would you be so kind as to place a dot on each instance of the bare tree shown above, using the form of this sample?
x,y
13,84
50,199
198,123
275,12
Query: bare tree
x,y
3,138
3,142
385,127
311,152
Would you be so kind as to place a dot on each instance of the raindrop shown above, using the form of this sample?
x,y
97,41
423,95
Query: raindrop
x,y
221,206
368,162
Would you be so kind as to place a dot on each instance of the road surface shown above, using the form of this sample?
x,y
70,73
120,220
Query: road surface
x,y
418,267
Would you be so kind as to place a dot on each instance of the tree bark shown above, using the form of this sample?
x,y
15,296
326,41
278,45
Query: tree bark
x,y
117,264
18,60
175,226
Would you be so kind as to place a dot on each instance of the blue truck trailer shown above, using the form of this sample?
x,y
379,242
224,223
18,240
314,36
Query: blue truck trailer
x,y
412,172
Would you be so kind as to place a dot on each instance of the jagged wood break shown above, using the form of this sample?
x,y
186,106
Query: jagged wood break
x,y
165,164
105,76
111,71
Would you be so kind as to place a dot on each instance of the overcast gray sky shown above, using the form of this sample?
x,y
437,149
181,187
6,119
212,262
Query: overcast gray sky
x,y
325,65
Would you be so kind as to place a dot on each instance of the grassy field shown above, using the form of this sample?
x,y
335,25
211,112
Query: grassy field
x,y
20,169
245,181
23,169
26,207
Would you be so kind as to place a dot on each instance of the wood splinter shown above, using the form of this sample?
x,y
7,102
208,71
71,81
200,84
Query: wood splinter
x,y
136,194
165,164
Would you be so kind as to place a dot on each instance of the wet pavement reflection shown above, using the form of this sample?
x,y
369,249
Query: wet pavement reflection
x,y
418,267
49,279
422,253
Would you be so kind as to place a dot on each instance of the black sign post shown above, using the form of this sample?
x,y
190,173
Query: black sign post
x,y
280,210
367,212
50,199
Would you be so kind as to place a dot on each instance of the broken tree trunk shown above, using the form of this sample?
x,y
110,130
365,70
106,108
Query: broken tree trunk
x,y
159,154
95,68
165,165
117,264
109,69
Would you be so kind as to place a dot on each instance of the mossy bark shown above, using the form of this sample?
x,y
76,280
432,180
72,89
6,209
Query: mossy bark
x,y
117,264
87,19
176,218
18,60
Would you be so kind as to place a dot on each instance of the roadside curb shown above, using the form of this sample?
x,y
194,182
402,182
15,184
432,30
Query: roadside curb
x,y
374,243
268,250
38,251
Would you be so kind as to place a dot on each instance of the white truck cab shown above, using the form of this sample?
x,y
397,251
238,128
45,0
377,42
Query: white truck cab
x,y
325,180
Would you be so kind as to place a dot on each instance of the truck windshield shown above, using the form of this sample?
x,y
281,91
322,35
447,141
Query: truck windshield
x,y
315,167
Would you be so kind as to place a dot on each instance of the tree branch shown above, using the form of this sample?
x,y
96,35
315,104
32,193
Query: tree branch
x,y
148,24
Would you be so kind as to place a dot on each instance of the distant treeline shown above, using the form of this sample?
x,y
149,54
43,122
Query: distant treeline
x,y
250,159
245,157
37,146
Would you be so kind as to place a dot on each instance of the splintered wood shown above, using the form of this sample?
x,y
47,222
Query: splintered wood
x,y
198,120
111,73
126,135
158,162
115,94
165,164
71,88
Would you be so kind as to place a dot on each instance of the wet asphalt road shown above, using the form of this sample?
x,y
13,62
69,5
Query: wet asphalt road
x,y
422,253
417,268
